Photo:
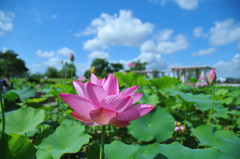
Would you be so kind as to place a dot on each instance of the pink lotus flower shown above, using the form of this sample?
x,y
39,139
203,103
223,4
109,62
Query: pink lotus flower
x,y
99,103
130,65
82,78
202,77
212,77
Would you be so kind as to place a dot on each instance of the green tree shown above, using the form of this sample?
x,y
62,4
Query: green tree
x,y
101,67
139,66
11,66
67,70
51,72
115,67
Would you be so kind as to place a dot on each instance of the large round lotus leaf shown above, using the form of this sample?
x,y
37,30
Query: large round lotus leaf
x,y
44,154
11,96
130,79
201,101
119,150
177,151
158,124
164,82
225,140
66,139
25,93
17,147
24,120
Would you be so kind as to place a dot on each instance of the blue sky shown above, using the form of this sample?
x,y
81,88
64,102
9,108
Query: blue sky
x,y
164,33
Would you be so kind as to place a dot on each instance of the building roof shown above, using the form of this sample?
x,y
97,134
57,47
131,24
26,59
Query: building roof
x,y
190,67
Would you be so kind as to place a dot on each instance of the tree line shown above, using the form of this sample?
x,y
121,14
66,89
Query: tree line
x,y
12,66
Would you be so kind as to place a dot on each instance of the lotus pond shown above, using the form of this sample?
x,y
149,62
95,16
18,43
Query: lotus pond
x,y
38,123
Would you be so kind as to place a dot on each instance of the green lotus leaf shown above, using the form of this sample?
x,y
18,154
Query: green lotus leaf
x,y
14,146
67,138
164,82
11,96
225,140
119,150
201,101
158,124
25,93
24,120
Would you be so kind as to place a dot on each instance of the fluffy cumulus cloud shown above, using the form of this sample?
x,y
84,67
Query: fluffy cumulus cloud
x,y
41,53
5,22
198,32
228,68
54,62
65,51
118,29
187,4
225,32
169,46
154,61
204,52
98,54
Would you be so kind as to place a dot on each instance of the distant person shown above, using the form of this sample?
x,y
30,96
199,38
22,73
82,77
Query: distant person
x,y
4,85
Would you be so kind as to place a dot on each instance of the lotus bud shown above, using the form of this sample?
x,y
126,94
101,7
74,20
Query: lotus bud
x,y
211,77
71,57
92,70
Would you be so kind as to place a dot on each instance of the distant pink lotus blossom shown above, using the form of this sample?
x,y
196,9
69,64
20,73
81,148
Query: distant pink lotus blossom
x,y
82,78
201,84
130,64
202,77
212,77
6,80
179,128
71,57
99,102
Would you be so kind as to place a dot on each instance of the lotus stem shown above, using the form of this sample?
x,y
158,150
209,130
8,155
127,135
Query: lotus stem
x,y
102,142
211,110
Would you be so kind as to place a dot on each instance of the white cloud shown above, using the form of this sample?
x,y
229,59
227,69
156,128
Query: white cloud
x,y
164,34
65,51
148,46
94,44
204,52
224,32
87,31
165,44
197,32
169,47
154,61
187,4
98,54
228,68
122,29
34,68
54,62
41,53
5,22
